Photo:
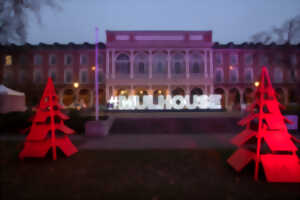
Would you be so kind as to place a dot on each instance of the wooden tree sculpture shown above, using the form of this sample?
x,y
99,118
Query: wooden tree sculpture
x,y
274,147
47,123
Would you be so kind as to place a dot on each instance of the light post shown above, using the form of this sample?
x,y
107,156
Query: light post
x,y
76,85
96,78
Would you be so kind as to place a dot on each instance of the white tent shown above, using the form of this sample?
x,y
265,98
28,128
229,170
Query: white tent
x,y
11,100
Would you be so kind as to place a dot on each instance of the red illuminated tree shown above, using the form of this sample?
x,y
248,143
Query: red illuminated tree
x,y
48,129
274,147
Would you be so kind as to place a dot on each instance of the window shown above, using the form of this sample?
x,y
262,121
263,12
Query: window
x,y
52,60
101,59
196,68
23,60
263,60
293,59
38,59
84,60
83,76
8,60
100,77
233,59
68,76
178,63
248,59
21,76
278,58
219,75
160,68
141,63
177,68
8,76
293,75
248,75
141,68
159,63
68,59
219,59
278,75
233,75
197,63
52,75
37,76
122,64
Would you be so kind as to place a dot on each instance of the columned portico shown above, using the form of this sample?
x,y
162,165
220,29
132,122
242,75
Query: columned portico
x,y
159,61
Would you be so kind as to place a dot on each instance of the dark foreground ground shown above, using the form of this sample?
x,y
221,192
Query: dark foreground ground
x,y
151,174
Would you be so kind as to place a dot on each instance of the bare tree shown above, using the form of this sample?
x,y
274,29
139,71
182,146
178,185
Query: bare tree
x,y
288,32
14,18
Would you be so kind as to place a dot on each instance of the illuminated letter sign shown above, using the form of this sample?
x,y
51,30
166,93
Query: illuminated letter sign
x,y
177,102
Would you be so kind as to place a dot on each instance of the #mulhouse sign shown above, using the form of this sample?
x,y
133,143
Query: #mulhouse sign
x,y
168,102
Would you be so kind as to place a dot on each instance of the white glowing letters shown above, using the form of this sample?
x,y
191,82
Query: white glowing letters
x,y
177,102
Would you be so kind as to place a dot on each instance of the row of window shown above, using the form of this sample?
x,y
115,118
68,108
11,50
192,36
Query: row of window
x,y
248,75
38,76
248,59
68,59
52,59
233,59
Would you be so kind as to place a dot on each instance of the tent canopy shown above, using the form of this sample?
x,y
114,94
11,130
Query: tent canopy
x,y
6,91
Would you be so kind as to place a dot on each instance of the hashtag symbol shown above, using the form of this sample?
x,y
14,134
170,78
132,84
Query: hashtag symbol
x,y
114,101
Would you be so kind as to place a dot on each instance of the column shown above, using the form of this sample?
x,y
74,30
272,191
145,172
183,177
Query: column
x,y
211,64
241,97
168,90
150,64
188,90
131,64
206,89
92,99
226,93
187,64
131,89
113,60
205,63
107,96
150,91
211,89
169,64
107,64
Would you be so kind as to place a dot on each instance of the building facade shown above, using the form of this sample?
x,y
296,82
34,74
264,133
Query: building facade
x,y
156,63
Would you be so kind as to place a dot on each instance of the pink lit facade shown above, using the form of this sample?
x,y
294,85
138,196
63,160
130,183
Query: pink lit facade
x,y
156,62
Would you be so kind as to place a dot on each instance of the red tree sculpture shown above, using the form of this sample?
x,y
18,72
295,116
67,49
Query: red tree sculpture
x,y
273,147
48,122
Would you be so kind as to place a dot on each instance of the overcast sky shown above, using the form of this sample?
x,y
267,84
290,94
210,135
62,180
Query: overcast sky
x,y
230,20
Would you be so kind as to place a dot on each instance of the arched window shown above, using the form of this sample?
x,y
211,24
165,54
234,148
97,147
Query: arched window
x,y
177,68
196,68
160,63
141,63
197,64
141,68
178,63
122,64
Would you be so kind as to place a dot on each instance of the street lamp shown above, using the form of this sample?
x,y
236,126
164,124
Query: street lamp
x,y
76,84
256,83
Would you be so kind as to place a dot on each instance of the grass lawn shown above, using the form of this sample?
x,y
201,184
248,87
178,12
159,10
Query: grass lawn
x,y
152,174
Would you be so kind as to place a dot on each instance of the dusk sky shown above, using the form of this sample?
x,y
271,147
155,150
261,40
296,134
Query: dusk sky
x,y
230,20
